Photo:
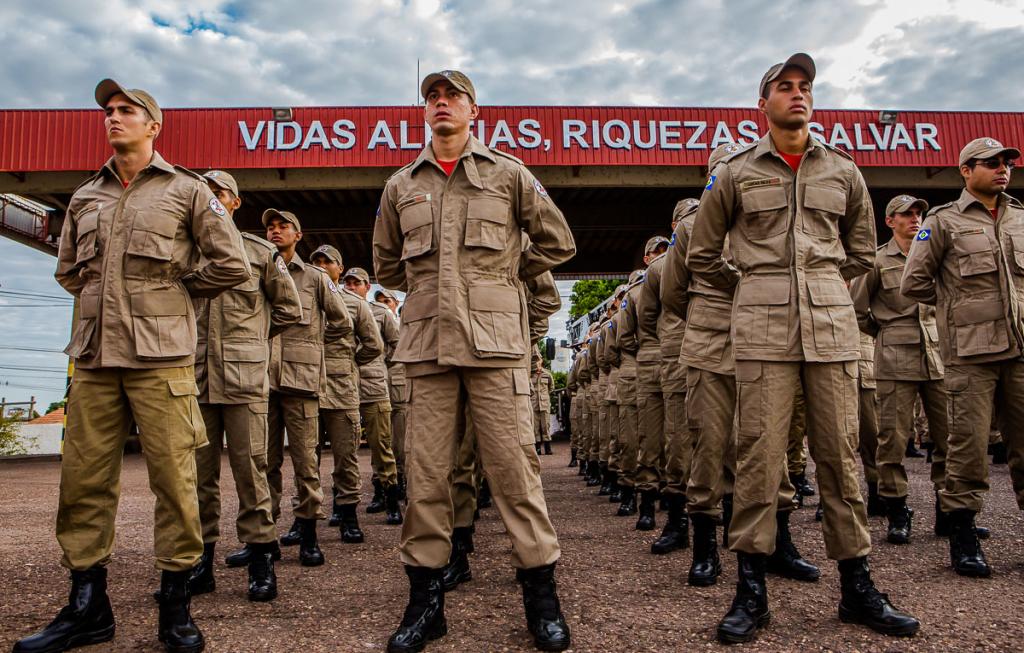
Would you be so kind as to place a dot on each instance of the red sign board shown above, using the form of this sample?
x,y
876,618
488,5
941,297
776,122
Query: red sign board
x,y
317,137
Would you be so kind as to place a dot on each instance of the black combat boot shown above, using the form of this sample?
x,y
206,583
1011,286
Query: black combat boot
x,y
547,448
606,480
335,519
457,570
86,619
243,556
912,451
177,631
943,527
876,504
483,497
616,495
786,560
861,603
648,504
900,521
310,554
350,531
424,615
394,508
572,457
749,609
706,567
999,454
726,518
803,488
543,611
201,580
537,446
262,579
964,548
593,473
819,512
662,499
676,533
402,487
293,536
627,505
582,470
377,502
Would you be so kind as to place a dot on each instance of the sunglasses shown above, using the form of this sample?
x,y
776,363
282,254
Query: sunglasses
x,y
994,163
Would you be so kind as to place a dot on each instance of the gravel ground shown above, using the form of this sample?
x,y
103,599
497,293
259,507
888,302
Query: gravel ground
x,y
616,596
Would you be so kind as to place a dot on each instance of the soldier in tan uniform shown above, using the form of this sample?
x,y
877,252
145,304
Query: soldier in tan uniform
x,y
543,387
907,364
129,251
608,401
968,261
298,375
587,466
799,222
572,386
344,352
598,409
375,404
231,372
399,395
457,251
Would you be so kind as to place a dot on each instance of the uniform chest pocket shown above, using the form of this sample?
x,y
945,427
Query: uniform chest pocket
x,y
766,212
495,319
975,253
823,208
891,277
486,223
153,234
1017,240
306,299
416,218
86,243
244,297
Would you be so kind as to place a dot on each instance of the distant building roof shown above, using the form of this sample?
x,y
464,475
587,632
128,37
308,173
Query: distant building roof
x,y
54,417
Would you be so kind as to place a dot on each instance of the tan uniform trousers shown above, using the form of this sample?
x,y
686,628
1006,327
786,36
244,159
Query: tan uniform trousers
x,y
542,431
101,406
796,454
973,390
244,427
574,423
921,421
650,407
598,411
300,417
499,405
629,425
466,477
678,453
867,445
583,437
896,428
377,426
610,438
765,403
710,413
342,429
398,433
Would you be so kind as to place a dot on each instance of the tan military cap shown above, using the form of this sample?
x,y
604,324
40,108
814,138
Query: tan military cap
x,y
386,294
108,88
903,203
986,148
721,153
800,60
636,275
620,291
287,216
655,242
327,252
457,79
357,273
684,207
223,180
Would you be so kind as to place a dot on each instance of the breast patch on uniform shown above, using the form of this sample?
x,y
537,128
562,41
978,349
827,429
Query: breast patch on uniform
x,y
759,183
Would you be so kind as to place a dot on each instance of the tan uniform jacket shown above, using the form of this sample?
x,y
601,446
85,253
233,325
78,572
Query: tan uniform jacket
x,y
345,349
907,338
583,370
596,375
648,327
373,376
234,328
297,353
543,386
626,344
707,342
666,326
795,237
571,379
131,257
542,301
972,269
455,245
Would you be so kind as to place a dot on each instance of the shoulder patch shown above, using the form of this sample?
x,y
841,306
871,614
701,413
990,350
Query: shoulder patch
x,y
711,182
191,173
281,265
334,288
217,207
537,186
923,234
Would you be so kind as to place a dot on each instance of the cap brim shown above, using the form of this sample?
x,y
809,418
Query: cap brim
x,y
804,62
219,183
107,89
429,81
906,206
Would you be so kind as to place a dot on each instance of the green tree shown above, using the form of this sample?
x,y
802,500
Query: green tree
x,y
10,443
55,405
560,379
587,294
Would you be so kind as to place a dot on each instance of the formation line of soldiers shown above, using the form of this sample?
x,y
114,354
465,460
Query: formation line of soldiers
x,y
756,326
692,384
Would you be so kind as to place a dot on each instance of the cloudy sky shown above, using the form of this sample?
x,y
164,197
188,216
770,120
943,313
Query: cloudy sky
x,y
930,54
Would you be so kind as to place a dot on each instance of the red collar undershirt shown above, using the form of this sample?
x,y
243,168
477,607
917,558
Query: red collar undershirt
x,y
447,166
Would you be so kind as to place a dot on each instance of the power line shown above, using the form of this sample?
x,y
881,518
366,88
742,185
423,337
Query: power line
x,y
37,349
48,370
4,384
40,305
21,293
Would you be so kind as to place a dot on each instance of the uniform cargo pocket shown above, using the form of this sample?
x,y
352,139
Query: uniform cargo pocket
x,y
245,367
185,392
495,315
338,366
902,349
832,316
300,367
891,277
153,235
417,222
81,344
306,299
980,328
765,212
86,243
707,333
486,220
161,324
417,339
258,429
975,252
762,312
823,208
1018,252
